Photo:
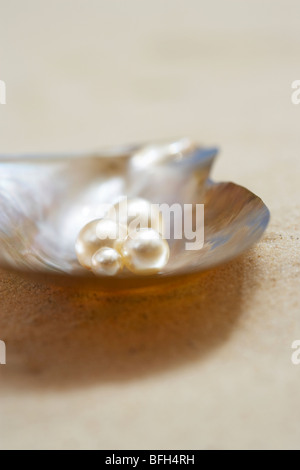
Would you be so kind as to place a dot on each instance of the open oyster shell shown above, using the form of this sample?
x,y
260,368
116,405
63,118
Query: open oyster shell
x,y
46,200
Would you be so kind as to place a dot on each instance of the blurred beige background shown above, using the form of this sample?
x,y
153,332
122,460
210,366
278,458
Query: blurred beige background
x,y
205,365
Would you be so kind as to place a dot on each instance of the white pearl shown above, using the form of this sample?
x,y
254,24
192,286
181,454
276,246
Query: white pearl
x,y
109,230
136,213
145,252
107,261
95,235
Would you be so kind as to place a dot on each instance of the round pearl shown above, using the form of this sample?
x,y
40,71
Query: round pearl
x,y
95,235
137,213
107,261
145,252
109,231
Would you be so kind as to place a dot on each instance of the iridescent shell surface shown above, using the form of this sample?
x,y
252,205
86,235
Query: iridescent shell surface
x,y
46,200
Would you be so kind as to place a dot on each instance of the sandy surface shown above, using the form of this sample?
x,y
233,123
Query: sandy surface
x,y
206,364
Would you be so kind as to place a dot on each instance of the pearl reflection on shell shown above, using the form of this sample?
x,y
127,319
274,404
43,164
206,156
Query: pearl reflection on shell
x,y
136,213
145,252
107,261
95,235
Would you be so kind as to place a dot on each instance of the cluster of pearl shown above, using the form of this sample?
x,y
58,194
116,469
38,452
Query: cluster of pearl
x,y
105,246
